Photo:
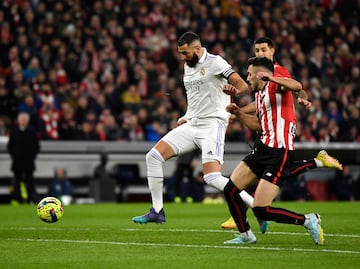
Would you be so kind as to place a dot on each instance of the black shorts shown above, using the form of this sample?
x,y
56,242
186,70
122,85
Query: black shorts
x,y
271,164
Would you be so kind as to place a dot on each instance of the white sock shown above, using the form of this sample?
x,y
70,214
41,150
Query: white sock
x,y
318,163
248,233
307,221
155,177
216,180
247,198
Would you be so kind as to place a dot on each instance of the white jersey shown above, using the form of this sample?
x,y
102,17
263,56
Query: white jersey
x,y
203,84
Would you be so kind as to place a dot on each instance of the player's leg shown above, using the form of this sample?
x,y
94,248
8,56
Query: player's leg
x,y
241,178
155,176
266,193
173,143
237,208
248,199
211,139
322,159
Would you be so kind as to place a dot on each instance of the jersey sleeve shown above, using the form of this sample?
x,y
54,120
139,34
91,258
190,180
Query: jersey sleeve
x,y
281,71
222,67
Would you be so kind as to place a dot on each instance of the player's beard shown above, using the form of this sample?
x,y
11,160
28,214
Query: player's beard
x,y
193,61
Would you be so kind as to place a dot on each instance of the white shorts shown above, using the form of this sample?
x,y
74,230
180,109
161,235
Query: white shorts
x,y
206,134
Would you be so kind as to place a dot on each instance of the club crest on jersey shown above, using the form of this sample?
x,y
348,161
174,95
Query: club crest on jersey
x,y
202,71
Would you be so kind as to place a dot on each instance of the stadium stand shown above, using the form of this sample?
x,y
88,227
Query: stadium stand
x,y
108,71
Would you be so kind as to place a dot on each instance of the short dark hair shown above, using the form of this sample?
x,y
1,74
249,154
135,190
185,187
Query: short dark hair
x,y
187,38
263,62
266,40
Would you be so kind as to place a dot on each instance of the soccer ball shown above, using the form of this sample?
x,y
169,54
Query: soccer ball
x,y
50,209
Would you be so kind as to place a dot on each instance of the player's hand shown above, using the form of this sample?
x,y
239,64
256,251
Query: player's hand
x,y
305,103
232,118
230,89
265,76
233,109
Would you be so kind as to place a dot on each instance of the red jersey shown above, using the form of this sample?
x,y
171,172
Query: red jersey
x,y
276,111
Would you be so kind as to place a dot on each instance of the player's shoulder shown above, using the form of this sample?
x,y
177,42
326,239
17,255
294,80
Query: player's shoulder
x,y
214,57
280,70
218,60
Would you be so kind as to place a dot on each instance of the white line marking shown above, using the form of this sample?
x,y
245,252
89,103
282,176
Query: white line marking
x,y
168,230
184,245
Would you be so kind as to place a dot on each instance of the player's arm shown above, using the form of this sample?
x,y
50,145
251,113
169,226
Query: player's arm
x,y
237,85
290,84
287,84
249,108
250,121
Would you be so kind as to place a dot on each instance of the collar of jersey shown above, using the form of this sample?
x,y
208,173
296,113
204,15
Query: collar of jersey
x,y
202,59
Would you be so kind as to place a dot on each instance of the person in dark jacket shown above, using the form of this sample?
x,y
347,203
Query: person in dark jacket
x,y
23,147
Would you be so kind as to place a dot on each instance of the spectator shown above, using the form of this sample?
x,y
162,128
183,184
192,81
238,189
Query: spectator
x,y
112,131
30,106
81,109
67,124
87,132
131,98
23,147
49,122
103,183
61,186
8,102
133,129
32,70
108,45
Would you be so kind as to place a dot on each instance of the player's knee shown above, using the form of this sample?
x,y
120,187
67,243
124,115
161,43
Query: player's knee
x,y
153,158
216,180
230,190
260,212
154,162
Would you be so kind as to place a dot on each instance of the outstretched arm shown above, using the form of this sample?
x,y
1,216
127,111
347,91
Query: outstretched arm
x,y
288,84
250,121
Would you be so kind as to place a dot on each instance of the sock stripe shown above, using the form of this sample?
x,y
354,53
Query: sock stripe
x,y
292,172
283,212
233,195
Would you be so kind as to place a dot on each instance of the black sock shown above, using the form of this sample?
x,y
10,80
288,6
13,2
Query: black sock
x,y
299,167
237,207
279,215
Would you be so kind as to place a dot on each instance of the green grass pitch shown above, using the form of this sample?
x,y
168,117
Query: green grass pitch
x,y
103,236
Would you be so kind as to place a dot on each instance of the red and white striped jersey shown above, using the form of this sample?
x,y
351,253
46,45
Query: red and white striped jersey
x,y
276,111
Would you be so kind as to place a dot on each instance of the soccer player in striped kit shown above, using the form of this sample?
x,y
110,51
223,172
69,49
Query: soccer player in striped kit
x,y
269,163
264,47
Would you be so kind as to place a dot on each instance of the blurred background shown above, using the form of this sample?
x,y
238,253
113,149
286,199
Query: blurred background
x,y
103,78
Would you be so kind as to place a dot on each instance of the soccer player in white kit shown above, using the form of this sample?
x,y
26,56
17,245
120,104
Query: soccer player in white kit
x,y
203,126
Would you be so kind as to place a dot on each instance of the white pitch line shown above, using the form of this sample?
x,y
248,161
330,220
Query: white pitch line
x,y
168,230
183,245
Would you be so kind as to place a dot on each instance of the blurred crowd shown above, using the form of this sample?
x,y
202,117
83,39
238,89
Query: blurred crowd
x,y
109,70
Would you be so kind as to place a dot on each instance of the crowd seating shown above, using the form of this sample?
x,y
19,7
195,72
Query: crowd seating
x,y
91,71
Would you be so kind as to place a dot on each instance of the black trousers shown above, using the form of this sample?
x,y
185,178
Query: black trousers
x,y
27,177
